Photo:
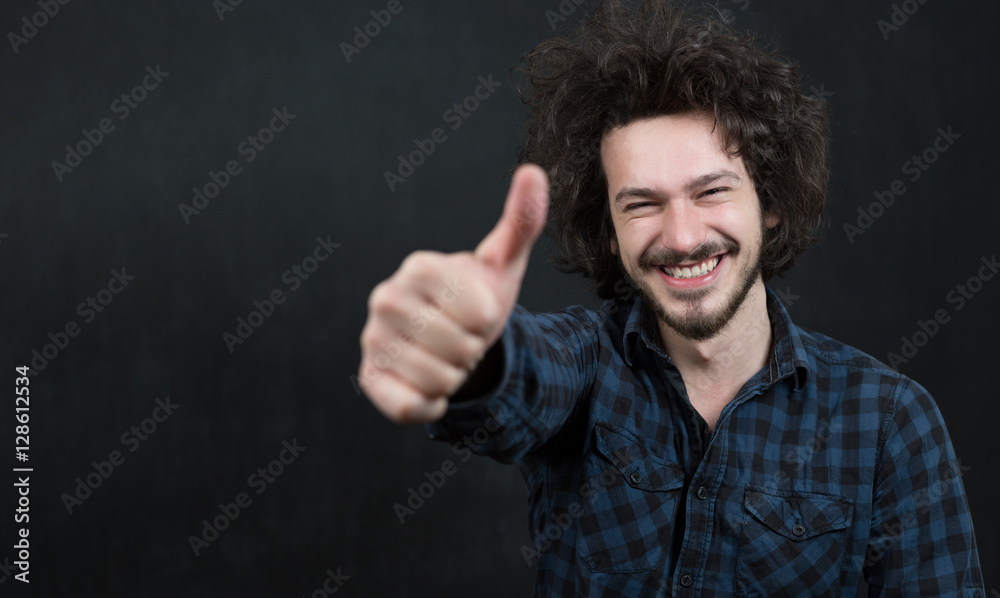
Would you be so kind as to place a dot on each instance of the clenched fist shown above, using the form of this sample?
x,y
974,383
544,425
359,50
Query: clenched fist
x,y
433,320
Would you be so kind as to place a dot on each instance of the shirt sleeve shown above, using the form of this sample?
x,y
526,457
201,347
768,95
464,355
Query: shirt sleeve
x,y
922,541
549,364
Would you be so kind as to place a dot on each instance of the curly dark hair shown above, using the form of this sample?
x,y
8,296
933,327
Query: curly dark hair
x,y
624,64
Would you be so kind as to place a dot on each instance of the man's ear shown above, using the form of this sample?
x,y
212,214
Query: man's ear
x,y
614,246
771,220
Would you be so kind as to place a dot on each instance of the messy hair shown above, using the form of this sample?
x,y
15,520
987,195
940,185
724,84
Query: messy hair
x,y
623,65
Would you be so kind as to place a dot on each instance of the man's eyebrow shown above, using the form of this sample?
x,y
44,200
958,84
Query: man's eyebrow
x,y
707,179
635,192
692,185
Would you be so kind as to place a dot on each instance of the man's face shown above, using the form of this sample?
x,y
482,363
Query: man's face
x,y
687,220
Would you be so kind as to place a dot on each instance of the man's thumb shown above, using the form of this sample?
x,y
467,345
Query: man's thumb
x,y
523,219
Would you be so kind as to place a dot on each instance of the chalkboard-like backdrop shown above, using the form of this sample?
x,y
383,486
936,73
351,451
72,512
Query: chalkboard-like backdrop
x,y
197,197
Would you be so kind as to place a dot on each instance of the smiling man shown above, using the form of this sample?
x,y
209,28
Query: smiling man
x,y
689,231
687,438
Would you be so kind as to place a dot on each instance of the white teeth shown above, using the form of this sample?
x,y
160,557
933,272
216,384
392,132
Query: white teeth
x,y
689,272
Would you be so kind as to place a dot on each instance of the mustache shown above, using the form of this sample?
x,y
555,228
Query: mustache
x,y
661,255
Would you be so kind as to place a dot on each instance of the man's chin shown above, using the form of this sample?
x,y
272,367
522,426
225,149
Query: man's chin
x,y
697,314
695,323
687,298
675,304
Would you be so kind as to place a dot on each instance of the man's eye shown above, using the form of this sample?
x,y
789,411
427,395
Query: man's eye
x,y
635,206
715,191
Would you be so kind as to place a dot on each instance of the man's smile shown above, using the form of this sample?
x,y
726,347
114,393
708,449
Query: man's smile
x,y
694,270
693,275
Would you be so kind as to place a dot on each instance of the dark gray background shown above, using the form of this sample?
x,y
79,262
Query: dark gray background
x,y
323,176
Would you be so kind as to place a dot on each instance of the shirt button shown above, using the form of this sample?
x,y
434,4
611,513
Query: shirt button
x,y
798,529
635,477
686,580
702,492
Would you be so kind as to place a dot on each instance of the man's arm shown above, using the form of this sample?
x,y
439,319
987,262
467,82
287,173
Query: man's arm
x,y
530,383
922,542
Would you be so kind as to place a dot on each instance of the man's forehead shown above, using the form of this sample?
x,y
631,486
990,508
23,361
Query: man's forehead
x,y
670,151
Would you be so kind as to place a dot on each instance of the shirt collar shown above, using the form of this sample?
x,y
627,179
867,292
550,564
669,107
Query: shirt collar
x,y
789,355
788,359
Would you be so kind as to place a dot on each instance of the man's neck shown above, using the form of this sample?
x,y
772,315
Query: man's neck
x,y
715,369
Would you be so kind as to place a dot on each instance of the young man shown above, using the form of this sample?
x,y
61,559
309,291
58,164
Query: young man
x,y
687,438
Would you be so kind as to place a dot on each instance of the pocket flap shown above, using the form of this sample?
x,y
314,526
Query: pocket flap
x,y
638,467
798,516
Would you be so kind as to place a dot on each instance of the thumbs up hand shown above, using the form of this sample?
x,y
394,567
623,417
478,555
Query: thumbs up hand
x,y
433,320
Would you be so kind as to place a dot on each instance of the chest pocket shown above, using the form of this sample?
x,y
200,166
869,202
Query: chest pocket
x,y
792,543
630,499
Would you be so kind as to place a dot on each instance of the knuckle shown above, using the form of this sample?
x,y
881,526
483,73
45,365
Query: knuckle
x,y
454,380
364,385
465,262
397,403
472,349
485,314
382,298
397,413
407,412
368,336
490,315
420,264
391,407
375,395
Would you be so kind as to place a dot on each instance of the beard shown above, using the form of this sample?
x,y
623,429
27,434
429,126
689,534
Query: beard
x,y
695,322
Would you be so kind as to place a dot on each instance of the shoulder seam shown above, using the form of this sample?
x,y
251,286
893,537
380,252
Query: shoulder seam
x,y
874,365
883,428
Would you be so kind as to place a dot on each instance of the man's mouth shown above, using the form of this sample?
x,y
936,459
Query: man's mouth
x,y
693,270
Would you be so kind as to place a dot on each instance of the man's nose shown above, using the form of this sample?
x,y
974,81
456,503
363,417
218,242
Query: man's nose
x,y
682,229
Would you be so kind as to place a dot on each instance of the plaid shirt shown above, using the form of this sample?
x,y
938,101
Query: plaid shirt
x,y
826,468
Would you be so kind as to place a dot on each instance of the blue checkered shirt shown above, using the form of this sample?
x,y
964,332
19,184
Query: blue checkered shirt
x,y
826,468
